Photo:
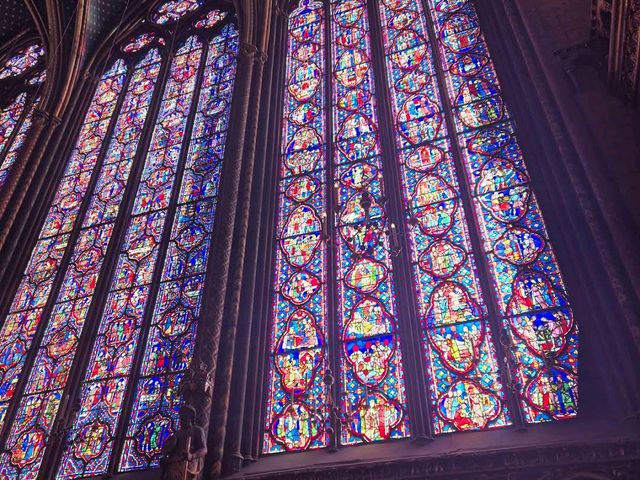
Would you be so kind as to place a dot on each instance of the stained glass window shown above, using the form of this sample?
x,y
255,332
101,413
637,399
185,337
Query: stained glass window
x,y
478,253
32,298
528,288
21,62
173,327
299,359
173,10
459,350
22,74
111,294
371,384
18,140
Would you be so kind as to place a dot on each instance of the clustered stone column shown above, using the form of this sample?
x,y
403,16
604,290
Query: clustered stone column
x,y
247,303
212,358
42,129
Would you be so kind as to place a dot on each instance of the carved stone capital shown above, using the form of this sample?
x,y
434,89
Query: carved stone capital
x,y
198,380
45,117
248,51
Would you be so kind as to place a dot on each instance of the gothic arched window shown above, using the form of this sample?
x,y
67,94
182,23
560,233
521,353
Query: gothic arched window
x,y
407,234
103,323
21,75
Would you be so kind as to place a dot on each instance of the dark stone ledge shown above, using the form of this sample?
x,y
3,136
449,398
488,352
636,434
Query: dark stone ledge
x,y
567,450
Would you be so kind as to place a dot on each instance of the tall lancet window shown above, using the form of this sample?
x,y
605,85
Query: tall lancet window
x,y
20,76
405,210
103,323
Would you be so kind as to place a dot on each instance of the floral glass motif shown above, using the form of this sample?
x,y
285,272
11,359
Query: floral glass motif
x,y
529,290
37,410
465,390
138,42
174,10
211,19
298,361
21,62
38,79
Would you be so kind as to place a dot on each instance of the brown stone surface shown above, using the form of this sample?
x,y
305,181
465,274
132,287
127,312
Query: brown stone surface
x,y
566,22
565,26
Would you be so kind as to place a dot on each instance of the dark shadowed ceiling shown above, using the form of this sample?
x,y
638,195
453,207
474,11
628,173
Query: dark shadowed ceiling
x,y
104,16
14,18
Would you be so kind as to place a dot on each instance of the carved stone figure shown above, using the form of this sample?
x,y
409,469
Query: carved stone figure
x,y
184,451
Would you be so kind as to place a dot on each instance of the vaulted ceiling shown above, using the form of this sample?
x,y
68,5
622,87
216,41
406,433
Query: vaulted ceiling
x,y
14,18
103,16
567,21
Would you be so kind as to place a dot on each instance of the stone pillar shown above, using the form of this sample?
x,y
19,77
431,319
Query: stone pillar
x,y
265,204
225,372
249,334
31,154
197,385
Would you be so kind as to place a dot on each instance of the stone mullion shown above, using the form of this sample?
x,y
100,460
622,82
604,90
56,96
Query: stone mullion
x,y
493,319
408,317
257,403
196,385
333,341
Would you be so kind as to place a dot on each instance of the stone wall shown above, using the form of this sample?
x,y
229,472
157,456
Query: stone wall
x,y
566,29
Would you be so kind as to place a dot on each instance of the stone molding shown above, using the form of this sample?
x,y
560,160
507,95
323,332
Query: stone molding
x,y
618,459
